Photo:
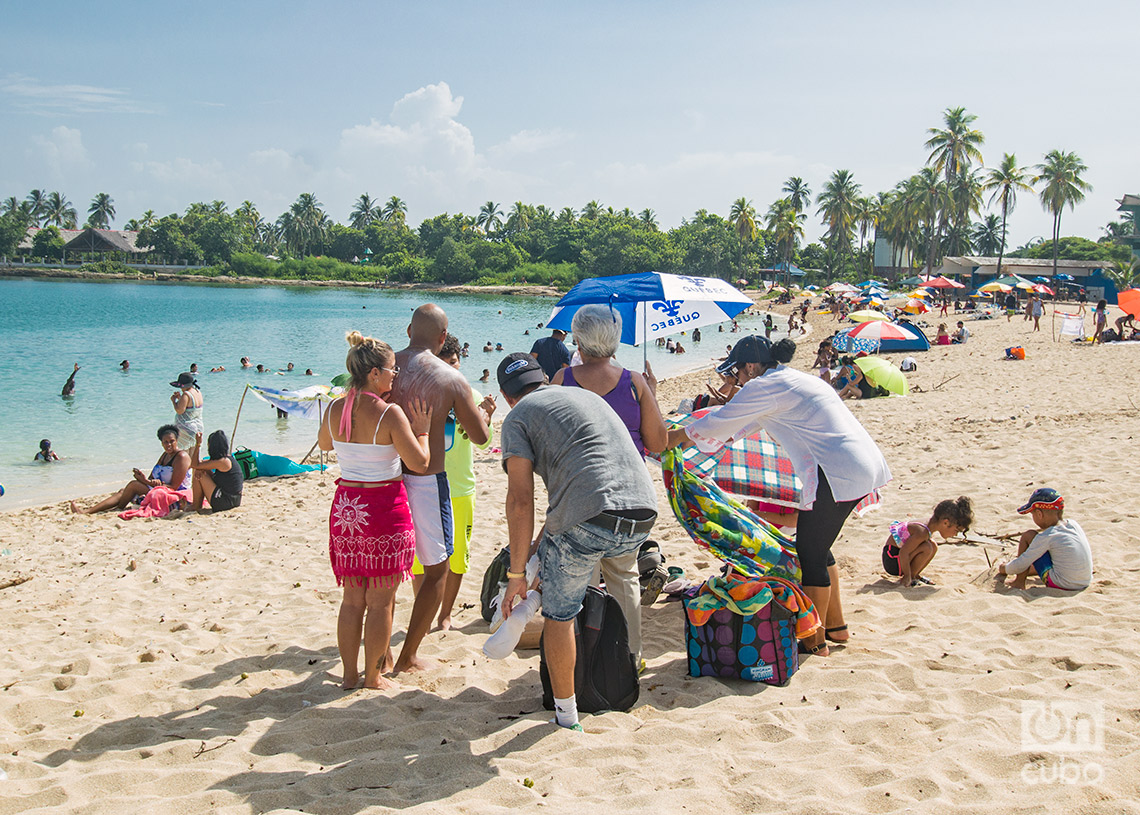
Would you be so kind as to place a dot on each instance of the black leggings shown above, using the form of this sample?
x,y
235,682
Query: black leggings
x,y
817,530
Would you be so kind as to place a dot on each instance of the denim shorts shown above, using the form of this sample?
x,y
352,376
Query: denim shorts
x,y
568,560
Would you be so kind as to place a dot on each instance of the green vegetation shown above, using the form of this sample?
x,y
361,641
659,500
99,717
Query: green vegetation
x,y
934,213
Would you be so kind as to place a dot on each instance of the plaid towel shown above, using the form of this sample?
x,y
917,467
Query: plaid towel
x,y
724,526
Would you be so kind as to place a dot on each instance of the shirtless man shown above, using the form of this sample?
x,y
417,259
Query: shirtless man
x,y
425,376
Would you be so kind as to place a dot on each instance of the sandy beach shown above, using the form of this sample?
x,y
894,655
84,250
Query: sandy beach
x,y
190,665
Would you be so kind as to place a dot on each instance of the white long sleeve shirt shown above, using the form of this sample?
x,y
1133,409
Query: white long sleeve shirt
x,y
1069,550
810,422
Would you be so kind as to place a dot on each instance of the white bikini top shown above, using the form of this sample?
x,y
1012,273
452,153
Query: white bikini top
x,y
367,462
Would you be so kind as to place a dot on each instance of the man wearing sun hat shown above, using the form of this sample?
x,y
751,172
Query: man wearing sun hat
x,y
1057,550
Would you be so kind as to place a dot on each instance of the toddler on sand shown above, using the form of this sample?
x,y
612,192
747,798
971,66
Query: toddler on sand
x,y
910,547
1057,550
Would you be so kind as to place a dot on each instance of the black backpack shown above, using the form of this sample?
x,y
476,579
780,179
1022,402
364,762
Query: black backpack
x,y
493,580
605,673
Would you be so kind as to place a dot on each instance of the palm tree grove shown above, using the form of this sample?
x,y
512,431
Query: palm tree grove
x,y
954,205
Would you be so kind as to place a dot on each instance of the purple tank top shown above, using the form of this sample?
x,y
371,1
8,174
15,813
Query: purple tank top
x,y
624,402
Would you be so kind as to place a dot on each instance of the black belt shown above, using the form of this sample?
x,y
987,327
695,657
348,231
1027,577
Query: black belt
x,y
625,526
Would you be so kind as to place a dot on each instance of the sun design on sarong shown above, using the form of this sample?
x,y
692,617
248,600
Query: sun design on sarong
x,y
350,515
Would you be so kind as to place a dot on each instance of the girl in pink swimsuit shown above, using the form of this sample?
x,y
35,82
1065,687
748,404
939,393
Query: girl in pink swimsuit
x,y
910,546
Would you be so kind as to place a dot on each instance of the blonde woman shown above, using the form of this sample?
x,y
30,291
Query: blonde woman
x,y
371,538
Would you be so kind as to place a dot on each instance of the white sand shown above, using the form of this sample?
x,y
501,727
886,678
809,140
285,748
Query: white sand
x,y
204,675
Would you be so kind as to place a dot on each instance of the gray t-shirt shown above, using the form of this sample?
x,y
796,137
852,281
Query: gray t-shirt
x,y
582,452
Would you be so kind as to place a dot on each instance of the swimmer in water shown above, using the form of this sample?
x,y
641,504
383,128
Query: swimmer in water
x,y
69,385
46,454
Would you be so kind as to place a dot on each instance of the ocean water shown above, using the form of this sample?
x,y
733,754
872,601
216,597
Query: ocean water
x,y
109,425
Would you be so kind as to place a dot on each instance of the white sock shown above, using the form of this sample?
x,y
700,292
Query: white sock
x,y
566,711
500,644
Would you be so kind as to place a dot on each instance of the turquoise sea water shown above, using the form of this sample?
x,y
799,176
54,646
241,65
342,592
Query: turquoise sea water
x,y
109,425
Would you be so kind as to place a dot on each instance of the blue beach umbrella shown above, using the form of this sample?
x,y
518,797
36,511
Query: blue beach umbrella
x,y
653,304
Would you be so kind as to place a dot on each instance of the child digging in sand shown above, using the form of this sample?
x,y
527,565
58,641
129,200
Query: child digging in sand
x,y
910,547
1057,550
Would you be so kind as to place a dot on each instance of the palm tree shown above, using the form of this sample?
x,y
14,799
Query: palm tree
x,y
797,191
932,198
395,211
304,224
1123,273
101,212
519,218
217,208
786,224
59,211
37,199
1060,172
364,212
742,215
965,191
837,206
11,205
567,215
1005,182
988,236
591,211
867,212
956,146
490,217
648,217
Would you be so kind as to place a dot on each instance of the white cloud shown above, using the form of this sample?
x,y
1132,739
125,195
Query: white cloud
x,y
35,96
527,142
62,151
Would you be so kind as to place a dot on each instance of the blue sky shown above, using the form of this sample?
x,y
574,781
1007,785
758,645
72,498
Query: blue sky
x,y
673,106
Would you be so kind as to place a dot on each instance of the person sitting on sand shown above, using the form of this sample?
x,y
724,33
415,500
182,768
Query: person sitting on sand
x,y
1057,551
371,537
46,454
943,337
1125,320
171,470
847,380
961,335
910,546
219,479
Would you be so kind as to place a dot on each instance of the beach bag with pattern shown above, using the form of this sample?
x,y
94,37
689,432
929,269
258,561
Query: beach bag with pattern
x,y
605,672
760,647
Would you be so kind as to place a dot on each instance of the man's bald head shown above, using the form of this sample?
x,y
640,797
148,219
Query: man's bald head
x,y
428,327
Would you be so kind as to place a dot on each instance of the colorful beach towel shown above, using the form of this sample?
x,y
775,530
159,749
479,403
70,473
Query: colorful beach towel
x,y
718,522
748,595
157,503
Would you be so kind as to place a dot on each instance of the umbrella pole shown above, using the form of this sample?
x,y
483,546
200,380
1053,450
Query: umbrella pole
x,y
236,418
644,341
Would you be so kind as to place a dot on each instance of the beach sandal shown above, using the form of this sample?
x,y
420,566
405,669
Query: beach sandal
x,y
814,650
827,632
652,587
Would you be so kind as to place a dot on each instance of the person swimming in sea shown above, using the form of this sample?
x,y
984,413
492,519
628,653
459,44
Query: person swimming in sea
x,y
46,454
69,385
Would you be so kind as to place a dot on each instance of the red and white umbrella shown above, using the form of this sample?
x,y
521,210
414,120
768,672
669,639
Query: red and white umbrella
x,y
1041,288
941,282
878,330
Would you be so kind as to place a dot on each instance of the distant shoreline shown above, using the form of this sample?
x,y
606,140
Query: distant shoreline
x,y
140,276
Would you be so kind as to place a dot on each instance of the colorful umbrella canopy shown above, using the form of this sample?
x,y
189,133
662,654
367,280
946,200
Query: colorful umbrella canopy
x,y
1129,301
1024,285
867,314
916,306
993,286
883,374
653,304
840,286
941,282
1041,288
878,330
919,293
724,526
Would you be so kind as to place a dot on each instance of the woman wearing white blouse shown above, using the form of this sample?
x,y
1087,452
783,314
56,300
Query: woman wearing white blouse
x,y
833,455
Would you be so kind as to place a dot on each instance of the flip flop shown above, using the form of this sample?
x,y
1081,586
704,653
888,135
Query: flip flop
x,y
827,632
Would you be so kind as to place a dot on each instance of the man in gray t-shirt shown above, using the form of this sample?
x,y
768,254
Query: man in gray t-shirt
x,y
602,503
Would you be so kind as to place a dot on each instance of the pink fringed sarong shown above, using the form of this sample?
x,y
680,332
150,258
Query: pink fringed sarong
x,y
371,538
